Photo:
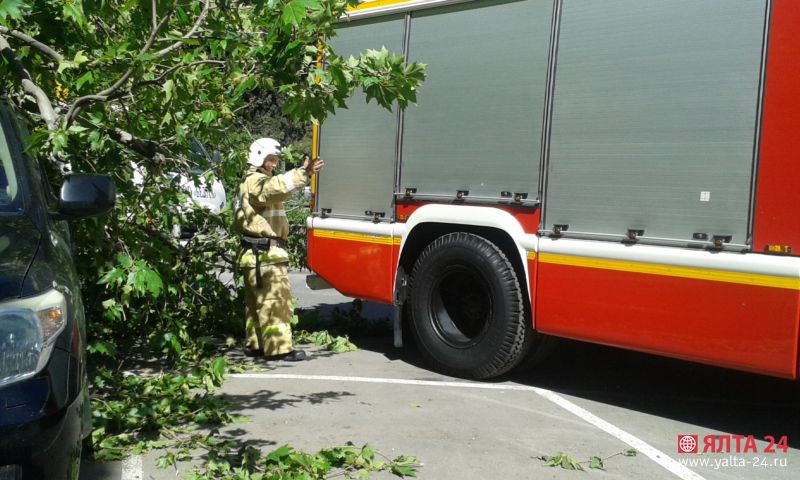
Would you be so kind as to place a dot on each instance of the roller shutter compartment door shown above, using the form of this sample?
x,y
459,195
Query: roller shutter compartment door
x,y
654,117
359,143
478,120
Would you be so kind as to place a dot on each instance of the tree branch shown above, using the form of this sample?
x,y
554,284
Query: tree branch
x,y
42,100
41,47
146,148
155,81
176,67
190,33
105,95
166,240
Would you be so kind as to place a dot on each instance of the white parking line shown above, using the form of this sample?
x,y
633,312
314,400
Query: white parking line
x,y
661,458
132,468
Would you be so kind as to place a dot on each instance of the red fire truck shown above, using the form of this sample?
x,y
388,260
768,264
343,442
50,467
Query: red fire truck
x,y
622,172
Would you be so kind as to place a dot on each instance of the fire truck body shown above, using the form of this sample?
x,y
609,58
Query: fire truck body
x,y
620,172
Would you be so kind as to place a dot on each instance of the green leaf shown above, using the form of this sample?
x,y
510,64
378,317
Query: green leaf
x,y
168,89
208,116
176,346
145,280
630,453
36,140
77,129
596,463
243,87
562,460
65,65
87,77
80,58
166,120
103,348
153,282
368,452
60,140
295,11
403,471
158,443
166,460
124,260
13,9
111,277
73,10
218,367
279,453
182,15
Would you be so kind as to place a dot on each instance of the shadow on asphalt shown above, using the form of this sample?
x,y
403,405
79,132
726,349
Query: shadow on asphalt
x,y
242,438
237,356
708,397
264,400
716,398
273,400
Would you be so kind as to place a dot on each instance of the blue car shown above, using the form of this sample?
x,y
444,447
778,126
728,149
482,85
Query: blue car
x,y
44,403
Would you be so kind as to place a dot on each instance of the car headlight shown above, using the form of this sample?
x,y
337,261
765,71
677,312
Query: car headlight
x,y
28,331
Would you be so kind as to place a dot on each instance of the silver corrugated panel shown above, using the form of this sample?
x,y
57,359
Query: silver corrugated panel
x,y
358,143
478,122
654,117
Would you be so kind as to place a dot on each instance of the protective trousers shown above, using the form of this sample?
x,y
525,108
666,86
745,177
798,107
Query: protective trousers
x,y
269,309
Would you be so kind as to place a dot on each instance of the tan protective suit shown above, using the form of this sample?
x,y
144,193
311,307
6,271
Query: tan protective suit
x,y
260,213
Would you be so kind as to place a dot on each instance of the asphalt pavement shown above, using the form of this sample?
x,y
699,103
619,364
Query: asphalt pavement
x,y
584,401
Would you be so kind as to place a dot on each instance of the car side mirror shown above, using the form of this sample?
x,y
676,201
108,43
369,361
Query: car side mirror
x,y
85,195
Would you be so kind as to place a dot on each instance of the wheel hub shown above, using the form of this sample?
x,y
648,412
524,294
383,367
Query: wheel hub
x,y
461,306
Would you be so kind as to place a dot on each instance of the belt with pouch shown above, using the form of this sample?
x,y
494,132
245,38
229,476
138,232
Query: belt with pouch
x,y
261,244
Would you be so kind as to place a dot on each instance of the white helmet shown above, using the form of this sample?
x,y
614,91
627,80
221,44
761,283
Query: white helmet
x,y
261,148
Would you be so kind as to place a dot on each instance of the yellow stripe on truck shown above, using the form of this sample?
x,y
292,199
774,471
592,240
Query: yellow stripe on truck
x,y
356,237
376,4
673,271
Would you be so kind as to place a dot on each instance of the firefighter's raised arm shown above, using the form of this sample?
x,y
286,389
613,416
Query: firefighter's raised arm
x,y
262,190
261,187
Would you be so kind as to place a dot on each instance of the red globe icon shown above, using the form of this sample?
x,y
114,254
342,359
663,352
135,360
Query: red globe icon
x,y
687,443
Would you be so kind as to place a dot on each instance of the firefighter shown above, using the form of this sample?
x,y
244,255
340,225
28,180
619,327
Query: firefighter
x,y
261,219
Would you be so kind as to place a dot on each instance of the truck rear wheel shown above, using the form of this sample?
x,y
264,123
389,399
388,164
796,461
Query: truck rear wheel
x,y
467,307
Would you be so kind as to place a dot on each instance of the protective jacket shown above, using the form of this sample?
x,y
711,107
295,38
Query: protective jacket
x,y
260,211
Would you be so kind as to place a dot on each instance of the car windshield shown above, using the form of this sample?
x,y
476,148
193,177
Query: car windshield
x,y
10,195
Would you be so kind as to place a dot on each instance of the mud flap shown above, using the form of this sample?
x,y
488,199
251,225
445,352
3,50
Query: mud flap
x,y
400,294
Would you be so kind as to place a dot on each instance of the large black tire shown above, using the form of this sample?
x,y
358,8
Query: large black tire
x,y
467,308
